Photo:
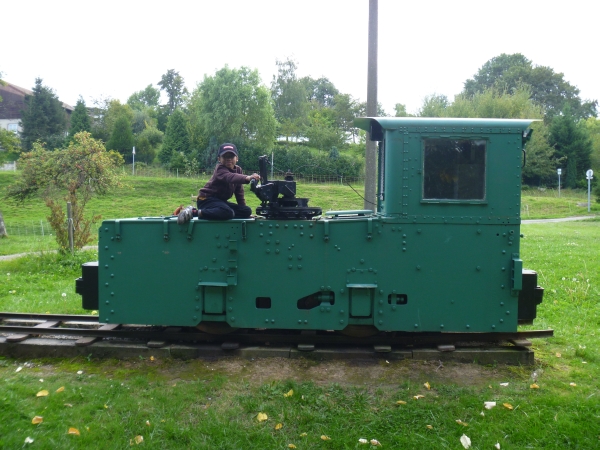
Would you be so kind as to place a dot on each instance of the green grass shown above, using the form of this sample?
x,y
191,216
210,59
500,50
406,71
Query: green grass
x,y
546,204
42,283
195,404
147,196
144,196
25,244
214,404
566,258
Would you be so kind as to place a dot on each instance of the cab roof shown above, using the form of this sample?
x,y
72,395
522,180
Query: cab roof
x,y
376,125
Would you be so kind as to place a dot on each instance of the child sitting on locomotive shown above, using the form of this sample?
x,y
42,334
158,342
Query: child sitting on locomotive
x,y
227,180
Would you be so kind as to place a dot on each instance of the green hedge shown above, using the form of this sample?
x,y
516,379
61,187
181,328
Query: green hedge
x,y
303,161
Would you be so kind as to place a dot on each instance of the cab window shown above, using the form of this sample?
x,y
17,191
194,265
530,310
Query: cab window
x,y
454,169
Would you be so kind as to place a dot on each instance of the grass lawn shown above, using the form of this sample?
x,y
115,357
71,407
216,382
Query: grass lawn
x,y
166,404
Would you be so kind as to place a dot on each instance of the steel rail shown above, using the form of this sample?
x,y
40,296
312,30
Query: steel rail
x,y
278,336
48,317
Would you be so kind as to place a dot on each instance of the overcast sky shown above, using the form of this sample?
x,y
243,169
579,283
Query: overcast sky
x,y
114,48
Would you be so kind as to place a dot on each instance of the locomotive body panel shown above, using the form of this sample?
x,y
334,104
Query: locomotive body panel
x,y
410,277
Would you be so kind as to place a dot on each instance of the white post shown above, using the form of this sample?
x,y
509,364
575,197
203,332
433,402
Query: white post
x,y
589,175
133,165
559,171
272,164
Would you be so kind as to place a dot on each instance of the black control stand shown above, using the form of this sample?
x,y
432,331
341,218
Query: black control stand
x,y
278,198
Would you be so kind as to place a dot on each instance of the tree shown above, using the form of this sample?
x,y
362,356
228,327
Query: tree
x,y
289,98
43,119
361,109
145,108
208,158
104,115
121,138
320,92
541,159
143,119
322,131
10,142
496,103
80,120
346,109
115,111
334,153
400,110
172,83
233,106
177,139
98,118
149,97
571,140
147,143
75,174
500,70
434,106
593,127
548,88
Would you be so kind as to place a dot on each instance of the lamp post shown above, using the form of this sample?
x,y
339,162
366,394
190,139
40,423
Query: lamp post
x,y
589,175
559,171
133,166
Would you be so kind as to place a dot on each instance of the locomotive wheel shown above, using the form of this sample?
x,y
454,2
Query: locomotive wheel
x,y
215,327
359,331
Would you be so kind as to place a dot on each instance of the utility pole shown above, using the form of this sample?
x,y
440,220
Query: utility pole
x,y
371,150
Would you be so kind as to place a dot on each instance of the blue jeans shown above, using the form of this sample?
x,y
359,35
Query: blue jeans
x,y
216,209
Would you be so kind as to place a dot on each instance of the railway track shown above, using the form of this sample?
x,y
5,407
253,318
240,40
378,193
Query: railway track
x,y
84,334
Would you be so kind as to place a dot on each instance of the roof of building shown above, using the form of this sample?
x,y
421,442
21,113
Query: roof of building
x,y
13,101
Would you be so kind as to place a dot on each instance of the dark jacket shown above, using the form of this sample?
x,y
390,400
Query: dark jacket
x,y
225,183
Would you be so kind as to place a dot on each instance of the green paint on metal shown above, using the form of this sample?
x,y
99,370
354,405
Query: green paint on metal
x,y
418,264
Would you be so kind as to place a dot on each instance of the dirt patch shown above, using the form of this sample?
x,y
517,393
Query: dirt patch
x,y
360,373
366,373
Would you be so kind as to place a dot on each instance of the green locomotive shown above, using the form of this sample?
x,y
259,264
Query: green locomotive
x,y
440,254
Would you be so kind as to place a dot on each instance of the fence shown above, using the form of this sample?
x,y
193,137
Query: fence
x,y
9,166
28,228
159,172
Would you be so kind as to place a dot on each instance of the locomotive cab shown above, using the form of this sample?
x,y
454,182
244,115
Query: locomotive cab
x,y
462,172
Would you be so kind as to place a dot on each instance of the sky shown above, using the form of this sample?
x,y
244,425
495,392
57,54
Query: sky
x,y
111,49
